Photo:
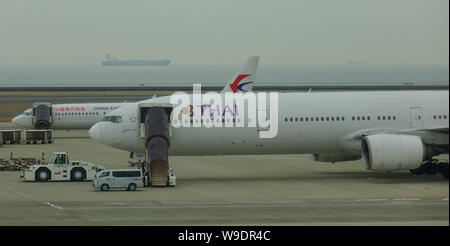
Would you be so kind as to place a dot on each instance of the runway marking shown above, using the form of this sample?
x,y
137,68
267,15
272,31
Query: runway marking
x,y
372,200
407,199
255,205
21,194
52,205
31,198
386,199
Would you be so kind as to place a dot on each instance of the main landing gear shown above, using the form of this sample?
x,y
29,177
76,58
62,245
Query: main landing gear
x,y
432,167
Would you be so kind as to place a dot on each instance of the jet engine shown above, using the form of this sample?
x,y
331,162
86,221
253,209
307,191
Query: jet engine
x,y
334,157
388,152
42,115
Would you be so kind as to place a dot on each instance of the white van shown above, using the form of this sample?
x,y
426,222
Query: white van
x,y
129,179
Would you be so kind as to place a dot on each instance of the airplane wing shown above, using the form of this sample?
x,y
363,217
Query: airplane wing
x,y
243,79
441,130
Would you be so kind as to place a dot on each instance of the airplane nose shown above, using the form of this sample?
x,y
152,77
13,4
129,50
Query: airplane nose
x,y
96,132
16,121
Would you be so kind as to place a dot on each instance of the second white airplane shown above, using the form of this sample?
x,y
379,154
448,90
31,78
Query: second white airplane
x,y
84,115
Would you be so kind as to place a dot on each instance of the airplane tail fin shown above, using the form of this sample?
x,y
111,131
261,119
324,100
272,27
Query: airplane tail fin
x,y
243,79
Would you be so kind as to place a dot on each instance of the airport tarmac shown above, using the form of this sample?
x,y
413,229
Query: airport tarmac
x,y
223,190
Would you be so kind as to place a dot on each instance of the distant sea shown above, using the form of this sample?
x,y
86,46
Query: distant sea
x,y
215,75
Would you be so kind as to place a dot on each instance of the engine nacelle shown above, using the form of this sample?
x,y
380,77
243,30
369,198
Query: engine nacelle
x,y
388,152
42,115
334,157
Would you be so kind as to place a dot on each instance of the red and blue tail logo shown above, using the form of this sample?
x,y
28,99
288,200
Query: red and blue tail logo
x,y
235,86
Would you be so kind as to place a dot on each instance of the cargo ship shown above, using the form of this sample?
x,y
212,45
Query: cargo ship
x,y
114,62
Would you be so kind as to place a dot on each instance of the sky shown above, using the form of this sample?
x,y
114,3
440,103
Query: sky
x,y
76,32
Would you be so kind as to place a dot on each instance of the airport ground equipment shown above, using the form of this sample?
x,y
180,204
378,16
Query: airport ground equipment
x,y
42,115
38,136
155,128
171,177
143,165
60,168
11,136
44,136
19,164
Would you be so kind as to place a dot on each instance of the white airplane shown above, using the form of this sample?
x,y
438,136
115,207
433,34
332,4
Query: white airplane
x,y
69,116
85,115
390,130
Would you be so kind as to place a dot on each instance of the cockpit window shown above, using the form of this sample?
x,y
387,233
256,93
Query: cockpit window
x,y
109,118
27,112
113,119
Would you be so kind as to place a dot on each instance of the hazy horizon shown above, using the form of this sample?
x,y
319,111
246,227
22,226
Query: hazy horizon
x,y
199,32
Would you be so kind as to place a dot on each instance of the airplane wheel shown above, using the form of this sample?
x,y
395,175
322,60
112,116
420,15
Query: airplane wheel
x,y
443,169
418,171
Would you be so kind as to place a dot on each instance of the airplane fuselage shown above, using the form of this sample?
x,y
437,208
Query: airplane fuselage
x,y
71,116
307,123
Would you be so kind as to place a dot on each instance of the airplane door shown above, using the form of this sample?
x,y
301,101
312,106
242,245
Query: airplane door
x,y
416,117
